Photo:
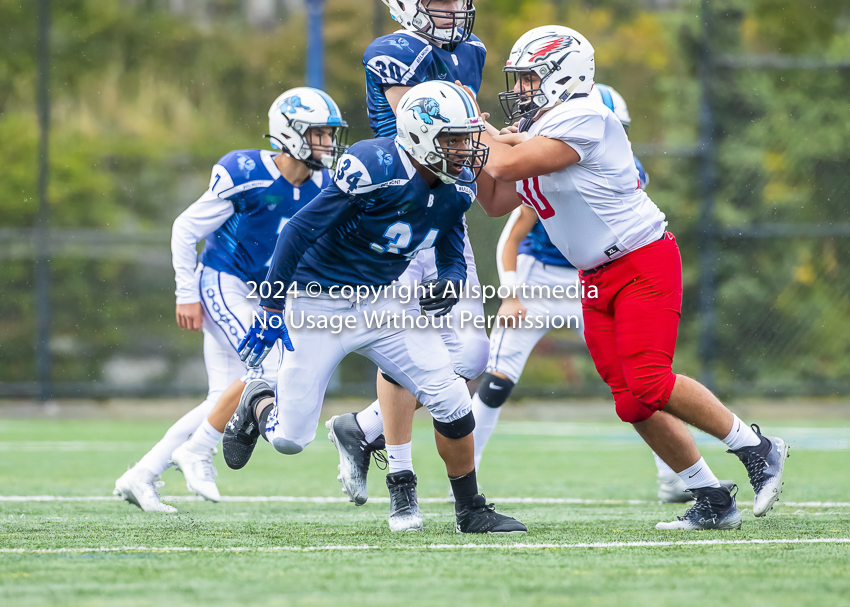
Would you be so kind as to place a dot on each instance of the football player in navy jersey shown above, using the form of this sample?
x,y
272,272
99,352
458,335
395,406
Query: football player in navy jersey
x,y
436,44
251,196
390,199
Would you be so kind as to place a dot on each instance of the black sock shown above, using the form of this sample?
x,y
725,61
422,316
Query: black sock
x,y
464,488
262,419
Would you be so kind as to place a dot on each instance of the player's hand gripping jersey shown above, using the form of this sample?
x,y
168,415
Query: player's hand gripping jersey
x,y
367,225
596,210
405,59
240,215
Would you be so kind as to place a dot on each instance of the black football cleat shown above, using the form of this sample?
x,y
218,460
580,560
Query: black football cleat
x,y
477,516
715,508
241,432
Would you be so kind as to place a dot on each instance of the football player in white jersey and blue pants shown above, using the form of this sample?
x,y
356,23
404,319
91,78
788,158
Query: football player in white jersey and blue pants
x,y
436,44
390,198
251,196
572,162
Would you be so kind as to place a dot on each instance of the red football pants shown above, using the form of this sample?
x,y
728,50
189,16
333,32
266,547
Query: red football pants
x,y
631,326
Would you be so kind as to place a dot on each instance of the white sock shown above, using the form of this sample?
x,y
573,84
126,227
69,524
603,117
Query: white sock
x,y
400,457
698,476
485,422
158,459
205,438
741,435
663,468
371,421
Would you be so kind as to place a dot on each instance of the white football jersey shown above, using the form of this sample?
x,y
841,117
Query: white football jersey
x,y
594,211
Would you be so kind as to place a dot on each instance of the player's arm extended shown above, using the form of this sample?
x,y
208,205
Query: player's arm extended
x,y
326,211
531,158
202,218
497,198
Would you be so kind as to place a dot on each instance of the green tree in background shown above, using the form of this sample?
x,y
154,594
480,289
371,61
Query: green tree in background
x,y
144,102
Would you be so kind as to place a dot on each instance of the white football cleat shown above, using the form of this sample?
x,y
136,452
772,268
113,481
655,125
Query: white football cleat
x,y
138,486
198,470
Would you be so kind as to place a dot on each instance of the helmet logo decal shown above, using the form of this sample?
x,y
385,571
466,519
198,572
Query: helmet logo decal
x,y
290,104
427,109
553,46
245,165
385,159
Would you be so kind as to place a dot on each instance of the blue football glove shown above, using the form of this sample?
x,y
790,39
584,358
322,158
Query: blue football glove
x,y
440,296
259,341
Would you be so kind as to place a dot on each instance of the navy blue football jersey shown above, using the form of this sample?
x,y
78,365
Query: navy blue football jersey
x,y
537,242
538,245
405,59
263,201
368,224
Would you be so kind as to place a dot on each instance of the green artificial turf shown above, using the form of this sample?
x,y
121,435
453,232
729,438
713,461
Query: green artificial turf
x,y
297,553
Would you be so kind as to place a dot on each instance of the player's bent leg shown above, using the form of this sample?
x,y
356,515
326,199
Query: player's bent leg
x,y
493,391
194,458
438,388
158,459
304,374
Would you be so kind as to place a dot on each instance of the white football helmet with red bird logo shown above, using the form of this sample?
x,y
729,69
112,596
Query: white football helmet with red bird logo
x,y
561,58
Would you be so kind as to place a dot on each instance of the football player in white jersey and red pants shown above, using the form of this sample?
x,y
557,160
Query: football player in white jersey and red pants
x,y
571,160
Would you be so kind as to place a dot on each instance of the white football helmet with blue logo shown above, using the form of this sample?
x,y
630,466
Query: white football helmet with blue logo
x,y
562,59
444,27
610,98
299,109
436,108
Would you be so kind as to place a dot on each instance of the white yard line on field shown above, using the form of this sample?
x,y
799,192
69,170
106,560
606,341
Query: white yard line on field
x,y
552,546
620,436
292,499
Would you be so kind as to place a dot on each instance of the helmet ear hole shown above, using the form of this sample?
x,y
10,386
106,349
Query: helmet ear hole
x,y
414,137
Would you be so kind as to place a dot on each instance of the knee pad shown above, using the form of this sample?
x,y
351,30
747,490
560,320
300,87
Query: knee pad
x,y
458,428
389,379
494,390
286,446
630,410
